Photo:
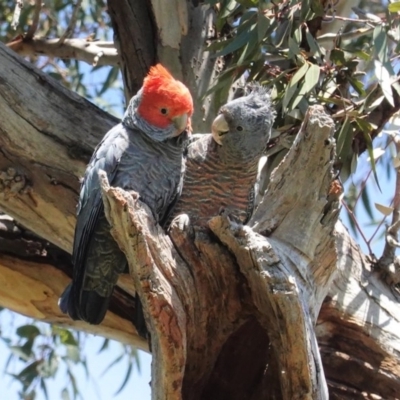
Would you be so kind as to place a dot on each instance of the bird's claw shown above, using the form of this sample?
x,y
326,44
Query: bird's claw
x,y
180,222
228,213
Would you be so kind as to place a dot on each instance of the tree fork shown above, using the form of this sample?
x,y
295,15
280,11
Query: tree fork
x,y
197,296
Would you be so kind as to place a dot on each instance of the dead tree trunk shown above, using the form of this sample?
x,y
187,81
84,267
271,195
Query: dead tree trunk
x,y
199,297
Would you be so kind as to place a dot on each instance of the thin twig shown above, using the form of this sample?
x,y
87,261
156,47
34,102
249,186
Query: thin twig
x,y
72,22
329,37
354,219
35,20
361,21
17,13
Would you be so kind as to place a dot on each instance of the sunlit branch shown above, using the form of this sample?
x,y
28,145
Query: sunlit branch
x,y
78,49
17,13
329,37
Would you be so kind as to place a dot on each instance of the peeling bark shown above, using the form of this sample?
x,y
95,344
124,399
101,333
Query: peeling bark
x,y
196,300
358,329
47,135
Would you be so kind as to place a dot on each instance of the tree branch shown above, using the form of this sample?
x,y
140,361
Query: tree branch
x,y
19,5
282,309
76,49
202,297
35,20
72,22
42,173
358,328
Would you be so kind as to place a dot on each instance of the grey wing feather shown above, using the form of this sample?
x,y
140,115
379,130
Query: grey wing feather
x,y
90,208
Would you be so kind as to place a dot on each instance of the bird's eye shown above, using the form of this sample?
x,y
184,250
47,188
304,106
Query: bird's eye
x,y
239,128
164,111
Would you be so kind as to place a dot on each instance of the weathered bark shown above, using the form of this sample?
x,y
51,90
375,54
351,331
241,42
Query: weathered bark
x,y
358,329
197,299
47,134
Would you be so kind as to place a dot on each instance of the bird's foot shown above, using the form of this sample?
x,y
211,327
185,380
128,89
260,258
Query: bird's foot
x,y
180,222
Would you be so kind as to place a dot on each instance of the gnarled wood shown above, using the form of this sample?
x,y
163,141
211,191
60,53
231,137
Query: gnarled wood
x,y
358,329
195,301
47,134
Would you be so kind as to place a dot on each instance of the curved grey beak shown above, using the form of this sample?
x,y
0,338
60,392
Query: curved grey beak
x,y
219,128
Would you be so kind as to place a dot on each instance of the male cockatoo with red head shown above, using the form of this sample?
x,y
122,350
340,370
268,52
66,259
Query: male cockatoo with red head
x,y
144,153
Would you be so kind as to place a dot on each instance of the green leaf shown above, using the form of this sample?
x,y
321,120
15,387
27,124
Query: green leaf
x,y
21,352
44,388
73,353
282,32
370,149
116,361
249,52
394,7
366,202
294,49
311,79
228,7
104,346
263,24
66,336
299,74
239,41
354,163
314,46
111,78
128,374
380,43
28,331
29,373
65,394
289,92
218,45
357,85
383,76
305,10
248,3
292,86
364,125
344,139
337,56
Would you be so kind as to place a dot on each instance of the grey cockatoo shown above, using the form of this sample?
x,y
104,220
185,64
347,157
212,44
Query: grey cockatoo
x,y
143,153
222,167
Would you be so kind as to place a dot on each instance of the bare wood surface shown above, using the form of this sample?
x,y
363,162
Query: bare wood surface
x,y
96,52
47,136
195,301
33,288
358,329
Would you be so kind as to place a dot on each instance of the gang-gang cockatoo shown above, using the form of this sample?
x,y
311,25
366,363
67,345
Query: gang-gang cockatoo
x,y
222,167
144,153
